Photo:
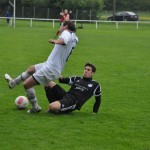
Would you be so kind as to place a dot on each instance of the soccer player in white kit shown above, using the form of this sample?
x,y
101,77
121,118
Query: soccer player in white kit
x,y
51,69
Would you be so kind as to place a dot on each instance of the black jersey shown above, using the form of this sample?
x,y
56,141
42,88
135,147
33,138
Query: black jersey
x,y
83,89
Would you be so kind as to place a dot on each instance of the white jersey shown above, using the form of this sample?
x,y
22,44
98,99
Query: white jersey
x,y
52,68
60,53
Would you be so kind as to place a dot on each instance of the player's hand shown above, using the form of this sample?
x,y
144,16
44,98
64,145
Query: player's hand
x,y
52,41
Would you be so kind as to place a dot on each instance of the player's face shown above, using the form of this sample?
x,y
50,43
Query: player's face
x,y
65,11
88,72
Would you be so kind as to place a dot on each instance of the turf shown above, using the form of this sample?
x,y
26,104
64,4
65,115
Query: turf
x,y
122,58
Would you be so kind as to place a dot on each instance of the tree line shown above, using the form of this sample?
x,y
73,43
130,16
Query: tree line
x,y
132,5
83,9
99,5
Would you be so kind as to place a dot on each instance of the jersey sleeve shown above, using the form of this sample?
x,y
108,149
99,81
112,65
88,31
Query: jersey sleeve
x,y
97,94
97,104
75,41
65,36
64,80
97,91
69,80
73,79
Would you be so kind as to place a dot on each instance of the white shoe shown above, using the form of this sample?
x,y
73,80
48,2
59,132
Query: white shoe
x,y
10,81
34,110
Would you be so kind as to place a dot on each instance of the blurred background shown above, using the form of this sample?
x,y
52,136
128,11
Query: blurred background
x,y
80,9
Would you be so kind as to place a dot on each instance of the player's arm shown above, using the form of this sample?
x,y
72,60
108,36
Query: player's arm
x,y
69,80
62,14
67,17
64,80
59,41
97,103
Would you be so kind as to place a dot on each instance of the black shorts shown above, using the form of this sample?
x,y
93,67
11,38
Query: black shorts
x,y
68,103
56,93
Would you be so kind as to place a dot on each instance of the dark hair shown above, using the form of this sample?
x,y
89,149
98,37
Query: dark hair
x,y
71,25
92,66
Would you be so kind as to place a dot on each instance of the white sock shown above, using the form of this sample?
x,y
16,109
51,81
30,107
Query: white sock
x,y
22,77
31,94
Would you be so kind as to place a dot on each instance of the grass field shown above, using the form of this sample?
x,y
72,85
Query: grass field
x,y
122,58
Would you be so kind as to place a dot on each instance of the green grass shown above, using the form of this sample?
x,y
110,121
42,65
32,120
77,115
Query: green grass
x,y
122,58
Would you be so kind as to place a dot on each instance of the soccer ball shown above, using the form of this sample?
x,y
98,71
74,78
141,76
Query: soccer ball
x,y
21,102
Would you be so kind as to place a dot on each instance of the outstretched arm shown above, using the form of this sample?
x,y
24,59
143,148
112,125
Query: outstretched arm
x,y
69,80
64,80
59,41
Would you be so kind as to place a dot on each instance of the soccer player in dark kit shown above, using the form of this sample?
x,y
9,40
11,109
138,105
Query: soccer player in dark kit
x,y
82,89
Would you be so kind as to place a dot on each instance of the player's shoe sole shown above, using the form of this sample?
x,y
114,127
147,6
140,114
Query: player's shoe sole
x,y
34,110
9,80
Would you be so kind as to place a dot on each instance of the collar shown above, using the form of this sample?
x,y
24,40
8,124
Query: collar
x,y
87,79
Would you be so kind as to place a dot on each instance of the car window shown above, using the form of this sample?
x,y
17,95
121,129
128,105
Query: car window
x,y
126,14
123,13
131,13
119,14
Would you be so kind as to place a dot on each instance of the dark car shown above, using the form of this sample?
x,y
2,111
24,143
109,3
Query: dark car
x,y
124,16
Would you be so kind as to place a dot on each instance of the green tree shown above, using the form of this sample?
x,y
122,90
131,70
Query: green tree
x,y
81,4
95,6
42,3
142,5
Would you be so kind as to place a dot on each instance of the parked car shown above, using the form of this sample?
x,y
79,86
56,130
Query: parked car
x,y
124,16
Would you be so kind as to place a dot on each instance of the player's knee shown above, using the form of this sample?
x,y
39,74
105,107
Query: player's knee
x,y
31,70
51,84
25,84
55,105
29,83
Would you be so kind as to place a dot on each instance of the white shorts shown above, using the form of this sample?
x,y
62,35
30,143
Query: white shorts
x,y
45,74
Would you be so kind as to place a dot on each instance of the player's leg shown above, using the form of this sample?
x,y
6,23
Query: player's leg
x,y
55,106
22,77
54,92
49,93
41,76
31,94
67,104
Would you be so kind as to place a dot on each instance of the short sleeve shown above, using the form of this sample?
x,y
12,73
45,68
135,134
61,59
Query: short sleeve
x,y
66,36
